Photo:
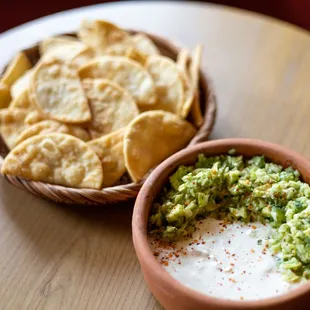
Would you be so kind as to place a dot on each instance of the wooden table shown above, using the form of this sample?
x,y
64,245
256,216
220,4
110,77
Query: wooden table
x,y
55,257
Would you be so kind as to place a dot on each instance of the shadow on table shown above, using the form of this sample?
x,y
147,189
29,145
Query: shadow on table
x,y
51,227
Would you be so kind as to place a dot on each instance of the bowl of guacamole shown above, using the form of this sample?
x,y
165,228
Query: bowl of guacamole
x,y
259,194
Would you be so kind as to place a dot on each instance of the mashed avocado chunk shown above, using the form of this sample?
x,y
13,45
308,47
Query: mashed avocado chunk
x,y
233,188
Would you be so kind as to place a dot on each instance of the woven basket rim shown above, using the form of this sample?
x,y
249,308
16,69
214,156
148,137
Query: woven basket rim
x,y
122,192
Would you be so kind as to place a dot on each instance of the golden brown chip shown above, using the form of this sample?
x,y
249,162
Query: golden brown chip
x,y
189,91
144,44
57,91
67,49
112,106
17,67
21,84
110,151
125,72
100,34
152,137
139,42
83,57
12,123
49,126
52,43
194,75
168,82
23,102
120,49
5,96
55,158
134,54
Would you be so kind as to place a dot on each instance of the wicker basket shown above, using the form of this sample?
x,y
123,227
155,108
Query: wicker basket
x,y
126,190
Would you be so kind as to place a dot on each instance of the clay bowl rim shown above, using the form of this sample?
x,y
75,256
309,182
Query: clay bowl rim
x,y
156,181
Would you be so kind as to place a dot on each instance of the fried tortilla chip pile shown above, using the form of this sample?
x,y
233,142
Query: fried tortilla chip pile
x,y
97,106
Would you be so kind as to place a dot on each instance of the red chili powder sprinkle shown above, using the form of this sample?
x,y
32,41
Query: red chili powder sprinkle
x,y
156,253
166,263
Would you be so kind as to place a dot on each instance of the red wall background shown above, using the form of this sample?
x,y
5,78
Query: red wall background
x,y
16,12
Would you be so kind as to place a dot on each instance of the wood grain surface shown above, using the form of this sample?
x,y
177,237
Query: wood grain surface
x,y
56,257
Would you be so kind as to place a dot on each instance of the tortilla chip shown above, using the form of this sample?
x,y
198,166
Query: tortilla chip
x,y
189,91
16,68
110,151
55,158
83,57
134,54
100,34
49,126
144,44
52,43
125,72
168,82
5,96
112,106
194,75
21,84
152,137
56,90
12,123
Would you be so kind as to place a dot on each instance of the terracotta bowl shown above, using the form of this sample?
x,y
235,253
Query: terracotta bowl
x,y
170,292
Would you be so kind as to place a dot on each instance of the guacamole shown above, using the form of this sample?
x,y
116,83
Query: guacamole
x,y
233,188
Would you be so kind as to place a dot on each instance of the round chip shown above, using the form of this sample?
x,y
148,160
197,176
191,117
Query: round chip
x,y
125,72
110,151
189,90
144,44
21,84
23,101
51,43
56,90
112,106
168,83
55,158
100,34
49,126
152,137
12,123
